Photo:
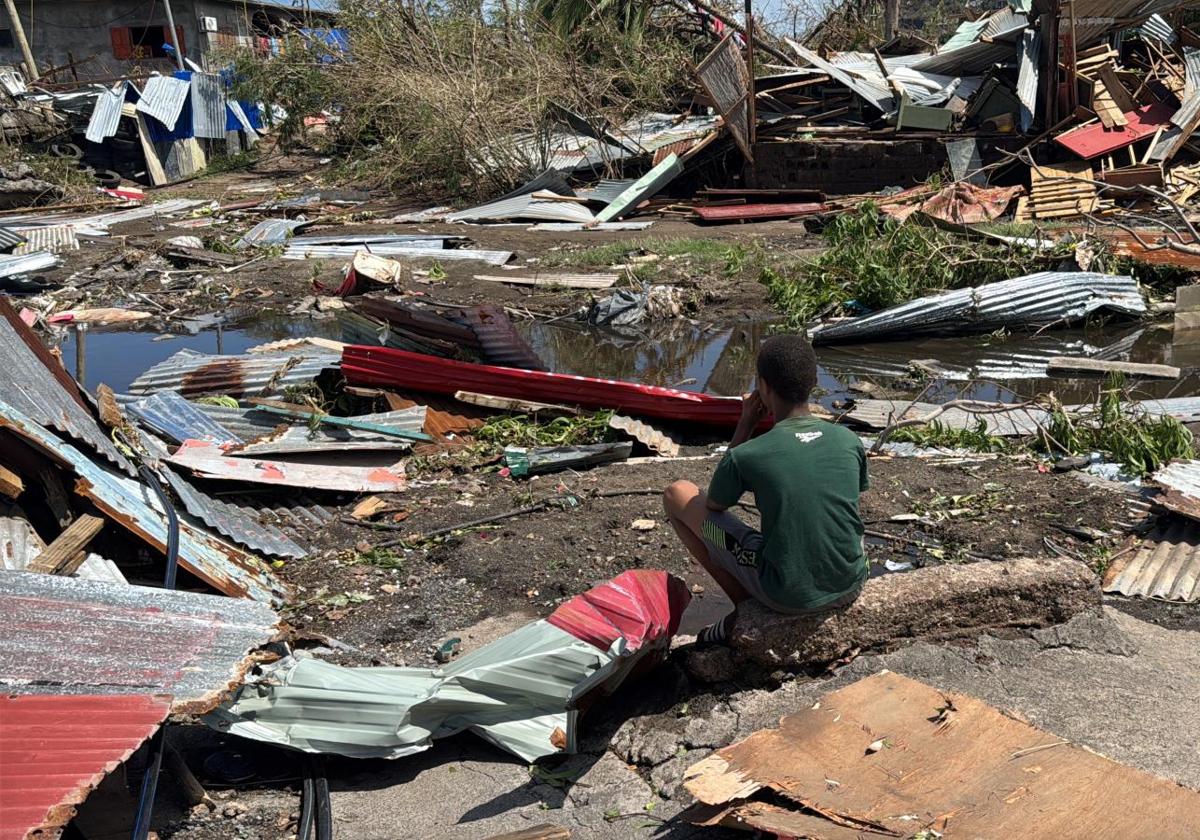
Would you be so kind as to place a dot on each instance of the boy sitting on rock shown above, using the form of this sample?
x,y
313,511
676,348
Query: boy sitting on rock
x,y
806,475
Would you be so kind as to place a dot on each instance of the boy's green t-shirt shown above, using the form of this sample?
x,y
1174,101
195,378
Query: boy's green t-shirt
x,y
805,475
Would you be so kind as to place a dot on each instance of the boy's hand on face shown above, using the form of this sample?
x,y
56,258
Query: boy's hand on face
x,y
754,410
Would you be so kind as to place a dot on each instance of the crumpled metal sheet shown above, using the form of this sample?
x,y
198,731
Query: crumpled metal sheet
x,y
520,692
68,636
1048,297
171,415
537,205
106,115
233,522
656,440
132,505
259,374
270,232
33,383
209,461
258,430
163,98
501,343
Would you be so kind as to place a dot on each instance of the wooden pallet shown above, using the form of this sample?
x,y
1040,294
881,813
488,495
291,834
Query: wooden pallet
x,y
1057,192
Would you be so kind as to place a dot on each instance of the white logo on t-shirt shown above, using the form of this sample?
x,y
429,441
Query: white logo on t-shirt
x,y
808,437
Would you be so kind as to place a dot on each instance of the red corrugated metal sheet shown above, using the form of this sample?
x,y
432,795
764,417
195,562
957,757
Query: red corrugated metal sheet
x,y
639,606
55,749
737,212
1094,140
385,367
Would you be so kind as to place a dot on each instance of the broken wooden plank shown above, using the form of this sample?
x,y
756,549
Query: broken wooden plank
x,y
514,404
1072,364
545,831
566,281
65,554
56,496
11,484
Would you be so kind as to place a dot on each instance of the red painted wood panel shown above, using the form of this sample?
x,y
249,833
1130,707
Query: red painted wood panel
x,y
1095,140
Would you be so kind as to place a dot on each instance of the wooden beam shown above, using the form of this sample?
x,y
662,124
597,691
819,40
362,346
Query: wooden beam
x,y
1070,364
66,554
546,831
513,404
11,484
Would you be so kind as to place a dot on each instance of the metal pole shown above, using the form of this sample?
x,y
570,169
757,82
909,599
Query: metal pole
x,y
81,355
174,33
19,30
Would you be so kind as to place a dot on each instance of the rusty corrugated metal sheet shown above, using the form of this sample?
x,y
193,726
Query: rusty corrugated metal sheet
x,y
298,515
501,343
757,211
260,374
726,81
69,636
1180,485
55,750
132,505
1166,566
443,416
32,382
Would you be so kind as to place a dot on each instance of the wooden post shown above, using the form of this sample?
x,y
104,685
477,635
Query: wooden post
x,y
19,31
751,96
891,19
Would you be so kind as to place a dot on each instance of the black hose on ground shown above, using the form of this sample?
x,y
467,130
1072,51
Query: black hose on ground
x,y
324,806
141,823
307,801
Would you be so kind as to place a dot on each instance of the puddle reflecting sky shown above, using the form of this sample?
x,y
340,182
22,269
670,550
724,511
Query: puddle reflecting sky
x,y
719,360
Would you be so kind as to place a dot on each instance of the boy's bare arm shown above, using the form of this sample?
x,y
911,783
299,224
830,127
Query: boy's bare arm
x,y
754,411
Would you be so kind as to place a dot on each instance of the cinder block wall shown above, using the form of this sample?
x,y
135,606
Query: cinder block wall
x,y
843,167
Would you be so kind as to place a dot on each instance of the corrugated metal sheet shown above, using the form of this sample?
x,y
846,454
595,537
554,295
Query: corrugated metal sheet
x,y
1027,76
419,240
11,266
1156,27
968,32
502,344
132,505
286,345
569,227
526,206
1048,297
68,636
270,232
877,95
298,515
9,239
206,460
106,115
756,211
20,544
57,749
255,375
171,415
519,692
606,190
233,522
974,59
34,383
163,98
642,189
53,239
208,106
656,440
297,251
1166,566
251,425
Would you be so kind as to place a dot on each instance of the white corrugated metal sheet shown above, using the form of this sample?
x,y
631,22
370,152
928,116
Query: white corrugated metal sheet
x,y
163,98
106,115
539,205
208,106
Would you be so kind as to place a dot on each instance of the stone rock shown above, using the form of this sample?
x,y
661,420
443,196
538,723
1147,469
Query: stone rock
x,y
936,602
715,730
667,778
610,785
642,741
711,665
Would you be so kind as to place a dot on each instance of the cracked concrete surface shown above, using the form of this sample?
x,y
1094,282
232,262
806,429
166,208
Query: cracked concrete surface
x,y
1113,683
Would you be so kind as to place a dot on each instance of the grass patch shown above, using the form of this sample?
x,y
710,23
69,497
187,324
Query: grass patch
x,y
936,434
874,261
380,558
705,254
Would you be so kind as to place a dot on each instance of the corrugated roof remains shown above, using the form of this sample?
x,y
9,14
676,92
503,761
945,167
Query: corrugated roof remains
x,y
1048,297
53,239
17,264
163,98
171,415
59,748
106,115
20,545
233,522
261,433
132,505
537,205
68,636
1166,566
260,374
32,382
270,232
299,251
208,106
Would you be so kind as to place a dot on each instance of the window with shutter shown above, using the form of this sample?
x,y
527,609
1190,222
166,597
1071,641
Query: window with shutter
x,y
122,42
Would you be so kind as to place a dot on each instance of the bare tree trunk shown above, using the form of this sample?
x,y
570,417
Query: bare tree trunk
x,y
891,18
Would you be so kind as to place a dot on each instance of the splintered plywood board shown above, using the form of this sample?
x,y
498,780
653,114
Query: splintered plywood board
x,y
566,281
960,766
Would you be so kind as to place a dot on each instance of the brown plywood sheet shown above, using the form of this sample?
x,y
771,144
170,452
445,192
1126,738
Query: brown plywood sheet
x,y
889,756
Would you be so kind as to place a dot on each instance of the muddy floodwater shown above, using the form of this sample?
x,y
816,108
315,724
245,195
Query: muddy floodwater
x,y
717,359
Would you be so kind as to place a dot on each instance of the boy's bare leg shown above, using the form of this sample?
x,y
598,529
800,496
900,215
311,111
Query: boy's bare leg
x,y
687,508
